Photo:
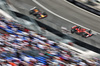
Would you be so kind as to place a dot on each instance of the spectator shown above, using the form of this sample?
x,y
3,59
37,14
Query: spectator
x,y
14,47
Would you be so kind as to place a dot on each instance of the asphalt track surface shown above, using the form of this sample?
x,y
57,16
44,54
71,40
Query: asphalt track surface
x,y
65,10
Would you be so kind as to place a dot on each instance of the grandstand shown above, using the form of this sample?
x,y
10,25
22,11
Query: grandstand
x,y
23,46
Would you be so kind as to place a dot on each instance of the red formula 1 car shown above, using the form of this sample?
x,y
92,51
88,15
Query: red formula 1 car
x,y
37,13
81,31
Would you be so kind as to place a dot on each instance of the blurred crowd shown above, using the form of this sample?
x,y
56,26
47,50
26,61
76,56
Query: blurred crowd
x,y
24,47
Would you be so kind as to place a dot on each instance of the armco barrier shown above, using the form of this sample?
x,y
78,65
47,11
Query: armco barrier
x,y
97,12
80,43
80,53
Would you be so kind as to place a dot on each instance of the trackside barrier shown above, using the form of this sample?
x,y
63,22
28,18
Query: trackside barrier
x,y
66,46
82,54
97,12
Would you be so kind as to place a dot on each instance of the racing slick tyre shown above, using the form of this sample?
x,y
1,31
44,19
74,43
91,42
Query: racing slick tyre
x,y
89,31
44,13
35,14
30,12
72,31
38,16
84,35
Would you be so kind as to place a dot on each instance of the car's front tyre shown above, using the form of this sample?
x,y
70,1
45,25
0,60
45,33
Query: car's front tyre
x,y
84,35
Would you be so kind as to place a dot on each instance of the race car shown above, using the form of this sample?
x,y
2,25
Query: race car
x,y
81,31
37,13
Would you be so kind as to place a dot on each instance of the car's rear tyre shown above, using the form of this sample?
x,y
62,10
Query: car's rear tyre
x,y
72,31
38,16
45,14
30,12
84,35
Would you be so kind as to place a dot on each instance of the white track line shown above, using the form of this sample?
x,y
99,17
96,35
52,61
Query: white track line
x,y
60,16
